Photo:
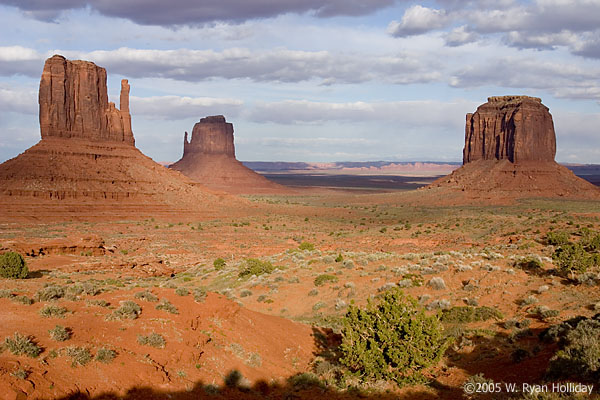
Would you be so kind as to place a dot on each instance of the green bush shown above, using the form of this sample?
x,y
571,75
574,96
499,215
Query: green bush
x,y
79,355
105,355
22,345
128,310
52,311
60,333
574,258
557,238
166,305
12,265
579,355
146,295
256,267
325,278
219,264
306,246
392,340
154,340
530,263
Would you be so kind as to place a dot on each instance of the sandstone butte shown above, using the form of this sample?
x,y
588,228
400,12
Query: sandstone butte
x,y
509,152
209,158
86,163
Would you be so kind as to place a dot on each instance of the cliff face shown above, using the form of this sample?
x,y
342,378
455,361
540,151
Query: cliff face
x,y
212,135
74,103
513,128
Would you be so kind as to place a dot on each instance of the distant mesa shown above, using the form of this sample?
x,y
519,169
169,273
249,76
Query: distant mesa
x,y
209,158
86,161
509,151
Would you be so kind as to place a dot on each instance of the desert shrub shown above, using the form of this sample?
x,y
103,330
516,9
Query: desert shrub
x,y
105,355
79,355
437,283
22,345
219,264
466,314
48,293
256,267
154,340
6,293
571,258
99,303
245,293
128,310
579,354
166,305
199,295
557,238
60,333
20,373
306,246
182,292
339,258
22,300
52,311
325,278
12,265
392,340
146,295
530,263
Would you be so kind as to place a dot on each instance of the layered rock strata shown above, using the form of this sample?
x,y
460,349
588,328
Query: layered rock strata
x,y
509,152
513,128
86,163
209,158
74,103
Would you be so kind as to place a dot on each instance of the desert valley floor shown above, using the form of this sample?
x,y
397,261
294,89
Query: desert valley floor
x,y
217,330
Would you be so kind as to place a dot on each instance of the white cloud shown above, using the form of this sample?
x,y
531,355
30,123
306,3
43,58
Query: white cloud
x,y
460,36
417,20
20,100
176,107
402,113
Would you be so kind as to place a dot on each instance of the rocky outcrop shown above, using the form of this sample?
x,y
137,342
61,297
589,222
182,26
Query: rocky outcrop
x,y
74,103
212,135
209,158
513,128
86,166
509,153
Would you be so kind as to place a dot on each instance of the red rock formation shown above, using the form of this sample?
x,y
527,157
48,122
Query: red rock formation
x,y
509,153
74,103
514,128
209,158
86,164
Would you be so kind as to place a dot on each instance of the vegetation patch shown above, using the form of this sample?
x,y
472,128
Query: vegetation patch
x,y
146,295
13,266
20,344
105,355
52,311
60,333
467,314
254,266
154,340
166,305
325,278
79,355
128,310
392,340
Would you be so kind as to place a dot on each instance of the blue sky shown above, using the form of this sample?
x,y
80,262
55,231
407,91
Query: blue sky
x,y
313,80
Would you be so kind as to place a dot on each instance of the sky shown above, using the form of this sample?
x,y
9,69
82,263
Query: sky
x,y
313,80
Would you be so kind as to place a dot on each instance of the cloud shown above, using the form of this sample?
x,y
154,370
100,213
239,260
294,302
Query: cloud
x,y
560,78
20,100
175,107
20,60
460,36
417,20
403,113
193,12
276,65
